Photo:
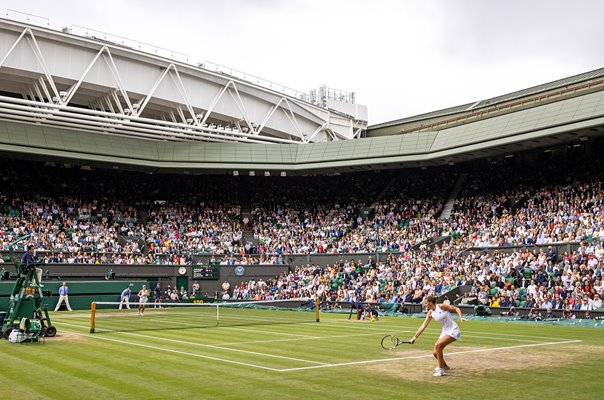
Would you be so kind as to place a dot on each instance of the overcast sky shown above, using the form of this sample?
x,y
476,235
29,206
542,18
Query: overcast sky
x,y
401,58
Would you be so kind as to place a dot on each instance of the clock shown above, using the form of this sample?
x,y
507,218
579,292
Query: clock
x,y
182,270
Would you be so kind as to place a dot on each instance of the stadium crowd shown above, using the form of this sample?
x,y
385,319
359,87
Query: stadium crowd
x,y
109,217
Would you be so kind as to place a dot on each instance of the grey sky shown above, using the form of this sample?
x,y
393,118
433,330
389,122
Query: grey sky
x,y
400,57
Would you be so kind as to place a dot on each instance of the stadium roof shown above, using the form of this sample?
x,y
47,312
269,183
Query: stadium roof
x,y
545,87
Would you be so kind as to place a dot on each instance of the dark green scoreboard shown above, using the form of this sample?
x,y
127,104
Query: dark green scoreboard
x,y
206,272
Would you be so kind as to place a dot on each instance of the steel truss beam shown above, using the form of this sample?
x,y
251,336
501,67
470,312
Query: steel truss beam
x,y
117,112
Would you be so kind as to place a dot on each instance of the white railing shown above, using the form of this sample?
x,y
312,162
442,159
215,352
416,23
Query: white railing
x,y
27,18
129,43
210,66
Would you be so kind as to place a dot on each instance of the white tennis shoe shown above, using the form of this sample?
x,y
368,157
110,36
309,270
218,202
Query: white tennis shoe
x,y
439,372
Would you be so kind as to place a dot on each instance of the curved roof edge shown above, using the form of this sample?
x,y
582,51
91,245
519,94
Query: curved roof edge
x,y
571,80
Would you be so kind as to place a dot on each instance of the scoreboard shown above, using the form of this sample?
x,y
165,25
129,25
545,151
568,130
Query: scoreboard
x,y
206,272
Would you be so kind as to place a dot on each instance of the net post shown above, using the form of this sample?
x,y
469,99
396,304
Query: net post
x,y
317,306
217,314
92,315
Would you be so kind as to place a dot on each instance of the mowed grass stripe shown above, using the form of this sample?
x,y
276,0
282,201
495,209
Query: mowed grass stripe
x,y
95,370
47,373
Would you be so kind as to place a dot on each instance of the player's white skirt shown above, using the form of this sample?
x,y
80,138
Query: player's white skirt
x,y
454,333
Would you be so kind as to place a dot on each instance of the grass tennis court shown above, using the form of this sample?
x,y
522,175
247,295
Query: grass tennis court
x,y
260,357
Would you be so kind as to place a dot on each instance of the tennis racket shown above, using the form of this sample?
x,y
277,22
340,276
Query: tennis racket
x,y
391,342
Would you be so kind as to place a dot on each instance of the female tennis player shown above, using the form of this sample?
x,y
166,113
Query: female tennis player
x,y
143,297
441,313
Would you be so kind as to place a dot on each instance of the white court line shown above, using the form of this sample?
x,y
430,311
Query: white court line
x,y
174,351
209,346
428,355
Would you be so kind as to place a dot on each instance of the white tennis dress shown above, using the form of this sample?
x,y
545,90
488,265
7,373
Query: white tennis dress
x,y
445,318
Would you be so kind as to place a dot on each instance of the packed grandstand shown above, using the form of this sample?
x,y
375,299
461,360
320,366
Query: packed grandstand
x,y
508,218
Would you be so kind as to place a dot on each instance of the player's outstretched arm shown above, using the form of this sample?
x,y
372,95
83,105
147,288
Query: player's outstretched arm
x,y
423,327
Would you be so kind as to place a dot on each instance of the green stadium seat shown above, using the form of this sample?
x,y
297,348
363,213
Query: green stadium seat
x,y
527,273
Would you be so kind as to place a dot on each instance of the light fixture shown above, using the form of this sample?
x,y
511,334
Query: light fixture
x,y
267,173
235,173
283,173
252,173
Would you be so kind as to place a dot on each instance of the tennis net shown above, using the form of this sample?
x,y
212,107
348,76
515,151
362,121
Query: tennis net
x,y
108,317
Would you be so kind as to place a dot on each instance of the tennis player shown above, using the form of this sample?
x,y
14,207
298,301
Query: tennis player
x,y
441,313
143,297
